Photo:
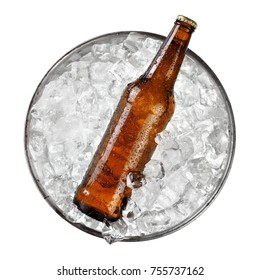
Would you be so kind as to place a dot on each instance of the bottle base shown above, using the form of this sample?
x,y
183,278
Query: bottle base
x,y
92,212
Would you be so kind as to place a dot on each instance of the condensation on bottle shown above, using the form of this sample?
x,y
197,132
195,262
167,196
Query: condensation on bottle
x,y
145,108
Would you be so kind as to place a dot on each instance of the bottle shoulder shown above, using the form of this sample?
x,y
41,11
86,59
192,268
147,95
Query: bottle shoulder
x,y
148,92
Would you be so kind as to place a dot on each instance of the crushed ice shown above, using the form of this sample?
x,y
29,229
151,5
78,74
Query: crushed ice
x,y
69,115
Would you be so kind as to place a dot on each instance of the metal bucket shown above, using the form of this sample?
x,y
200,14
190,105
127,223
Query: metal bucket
x,y
68,82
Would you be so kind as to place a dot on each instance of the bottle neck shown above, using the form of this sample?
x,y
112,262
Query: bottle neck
x,y
166,64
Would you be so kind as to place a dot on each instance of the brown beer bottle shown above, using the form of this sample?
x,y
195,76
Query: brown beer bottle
x,y
144,110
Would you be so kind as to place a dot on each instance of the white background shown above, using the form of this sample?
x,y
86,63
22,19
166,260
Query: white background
x,y
35,241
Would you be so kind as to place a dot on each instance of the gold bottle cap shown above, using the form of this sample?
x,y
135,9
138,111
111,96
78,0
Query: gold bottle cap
x,y
187,20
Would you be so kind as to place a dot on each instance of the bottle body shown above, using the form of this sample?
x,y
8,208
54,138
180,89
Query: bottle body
x,y
145,108
126,147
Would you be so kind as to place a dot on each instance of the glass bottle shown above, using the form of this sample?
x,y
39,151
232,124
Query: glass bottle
x,y
145,108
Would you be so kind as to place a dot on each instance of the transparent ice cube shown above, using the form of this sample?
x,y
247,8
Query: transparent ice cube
x,y
131,212
154,169
150,221
114,231
218,138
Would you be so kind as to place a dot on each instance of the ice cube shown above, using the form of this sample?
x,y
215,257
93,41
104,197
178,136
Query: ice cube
x,y
120,71
134,41
114,231
135,179
208,97
154,169
190,68
149,222
177,181
74,214
131,212
38,143
188,92
118,52
219,140
166,141
187,147
215,159
100,72
167,198
58,160
99,49
146,195
171,159
152,44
